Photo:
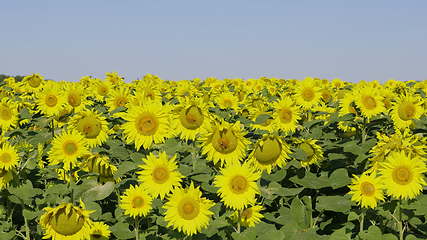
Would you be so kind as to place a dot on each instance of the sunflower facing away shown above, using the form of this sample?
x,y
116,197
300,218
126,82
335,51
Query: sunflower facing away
x,y
237,185
225,142
66,222
312,151
269,152
159,175
99,231
187,210
8,156
67,149
403,175
147,124
248,217
92,126
136,202
367,190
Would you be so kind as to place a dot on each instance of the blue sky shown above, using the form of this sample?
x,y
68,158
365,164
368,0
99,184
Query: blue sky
x,y
351,40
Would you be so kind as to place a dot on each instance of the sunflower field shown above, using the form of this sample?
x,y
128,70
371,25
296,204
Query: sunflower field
x,y
235,159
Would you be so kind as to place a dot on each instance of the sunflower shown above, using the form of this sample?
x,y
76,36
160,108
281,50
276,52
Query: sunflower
x,y
191,119
227,100
100,88
307,93
66,222
33,82
269,152
50,100
8,156
67,148
225,142
99,231
102,165
267,124
118,97
406,109
313,152
136,202
286,114
187,210
75,96
403,175
367,190
248,217
92,126
114,78
8,115
369,100
147,124
347,104
159,175
5,177
146,90
237,185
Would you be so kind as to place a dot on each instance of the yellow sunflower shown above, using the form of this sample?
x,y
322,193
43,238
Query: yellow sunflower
x,y
187,210
66,222
8,156
8,115
406,109
403,176
227,100
225,142
75,96
102,165
33,82
99,231
114,78
237,185
160,175
147,124
369,100
50,99
5,177
146,90
286,114
192,119
269,151
313,152
346,104
118,97
136,202
67,148
100,88
367,190
248,217
92,126
307,94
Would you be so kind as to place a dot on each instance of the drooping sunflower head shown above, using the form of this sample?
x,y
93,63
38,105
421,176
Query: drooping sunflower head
x,y
403,176
99,231
187,210
191,119
92,126
237,185
367,190
269,152
102,165
8,156
66,222
312,151
136,202
160,175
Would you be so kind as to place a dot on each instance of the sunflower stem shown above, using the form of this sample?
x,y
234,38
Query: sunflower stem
x,y
137,228
27,229
362,220
53,128
238,221
400,222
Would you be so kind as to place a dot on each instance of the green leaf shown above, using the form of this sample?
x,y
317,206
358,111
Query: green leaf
x,y
262,118
312,181
99,192
339,178
25,192
121,231
333,203
30,214
298,213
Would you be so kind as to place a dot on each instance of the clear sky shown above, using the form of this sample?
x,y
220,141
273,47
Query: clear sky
x,y
351,40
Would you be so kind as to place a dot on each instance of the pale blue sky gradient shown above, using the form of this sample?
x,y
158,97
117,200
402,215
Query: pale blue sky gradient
x,y
351,40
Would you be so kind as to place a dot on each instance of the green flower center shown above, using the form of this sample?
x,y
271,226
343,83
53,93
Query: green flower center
x,y
268,152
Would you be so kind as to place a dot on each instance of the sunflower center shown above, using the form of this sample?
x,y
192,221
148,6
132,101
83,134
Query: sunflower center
x,y
160,175
102,90
308,150
406,111
402,175
121,101
367,188
239,184
67,224
138,202
192,118
70,148
228,103
51,100
308,94
326,95
147,124
74,100
285,115
224,141
246,214
5,113
34,82
89,126
188,209
369,102
96,235
268,152
5,157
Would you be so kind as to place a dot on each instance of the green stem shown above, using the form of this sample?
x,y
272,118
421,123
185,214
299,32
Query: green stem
x,y
400,222
137,228
27,229
53,128
362,220
238,221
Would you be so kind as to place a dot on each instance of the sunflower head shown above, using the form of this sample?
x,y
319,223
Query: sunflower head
x,y
367,190
136,202
99,231
8,156
269,152
312,151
